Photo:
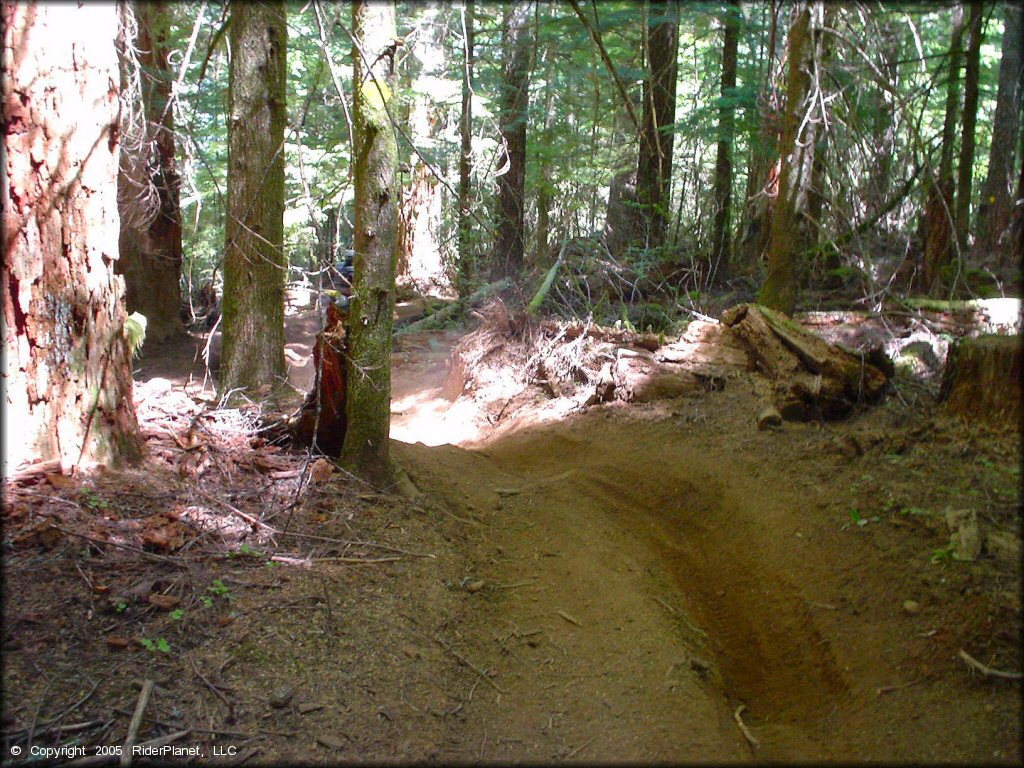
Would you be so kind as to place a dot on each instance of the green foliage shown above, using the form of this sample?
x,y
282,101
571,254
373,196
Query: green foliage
x,y
153,646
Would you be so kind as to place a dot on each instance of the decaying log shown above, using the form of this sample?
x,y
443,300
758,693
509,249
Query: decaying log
x,y
323,411
439,318
811,377
982,380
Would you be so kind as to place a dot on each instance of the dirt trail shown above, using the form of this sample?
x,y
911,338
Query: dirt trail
x,y
647,571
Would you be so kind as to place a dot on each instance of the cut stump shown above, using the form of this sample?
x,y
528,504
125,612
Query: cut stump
x,y
323,412
811,378
982,380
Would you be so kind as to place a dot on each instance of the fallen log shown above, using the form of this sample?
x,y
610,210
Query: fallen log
x,y
982,380
812,378
436,320
321,420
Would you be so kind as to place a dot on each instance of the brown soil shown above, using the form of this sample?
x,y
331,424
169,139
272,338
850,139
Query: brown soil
x,y
610,584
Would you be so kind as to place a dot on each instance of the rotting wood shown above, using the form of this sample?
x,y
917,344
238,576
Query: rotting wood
x,y
811,377
322,420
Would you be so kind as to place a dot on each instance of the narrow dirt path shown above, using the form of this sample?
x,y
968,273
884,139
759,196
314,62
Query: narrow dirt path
x,y
638,590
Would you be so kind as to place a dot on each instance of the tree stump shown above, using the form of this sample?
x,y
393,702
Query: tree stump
x,y
323,412
811,377
982,380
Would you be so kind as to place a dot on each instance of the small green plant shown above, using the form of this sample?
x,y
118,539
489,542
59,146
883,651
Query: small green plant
x,y
177,614
91,500
206,600
121,607
220,589
159,645
942,555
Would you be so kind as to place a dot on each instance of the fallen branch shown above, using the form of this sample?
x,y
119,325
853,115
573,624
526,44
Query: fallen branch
x,y
255,522
133,727
973,663
737,716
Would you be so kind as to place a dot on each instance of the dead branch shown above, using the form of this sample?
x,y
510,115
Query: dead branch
x,y
973,663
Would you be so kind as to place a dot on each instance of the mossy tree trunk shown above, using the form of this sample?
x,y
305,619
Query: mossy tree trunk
x,y
368,401
514,99
790,229
654,166
254,265
149,184
66,367
466,270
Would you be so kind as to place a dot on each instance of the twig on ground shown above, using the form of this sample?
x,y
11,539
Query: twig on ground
x,y
738,717
529,582
569,618
580,748
210,685
129,547
973,663
890,688
253,521
133,727
465,662
308,561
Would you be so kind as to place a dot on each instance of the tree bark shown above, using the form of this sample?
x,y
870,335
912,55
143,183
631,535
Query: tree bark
x,y
514,99
996,208
721,247
654,166
965,166
466,269
66,367
939,196
790,227
254,265
150,239
545,187
368,403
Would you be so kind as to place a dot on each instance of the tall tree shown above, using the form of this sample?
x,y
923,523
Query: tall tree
x,y
368,400
996,207
965,164
721,242
66,367
790,230
466,267
938,215
149,183
254,265
512,120
654,167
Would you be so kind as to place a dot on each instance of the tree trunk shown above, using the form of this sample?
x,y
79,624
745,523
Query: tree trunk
x,y
66,367
790,228
938,215
654,167
149,183
762,174
965,166
514,99
996,208
466,269
368,404
254,265
982,380
545,187
721,246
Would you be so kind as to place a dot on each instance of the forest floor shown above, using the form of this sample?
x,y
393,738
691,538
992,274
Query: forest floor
x,y
624,582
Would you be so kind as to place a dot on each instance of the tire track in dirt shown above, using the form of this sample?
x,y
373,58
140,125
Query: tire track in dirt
x,y
621,531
